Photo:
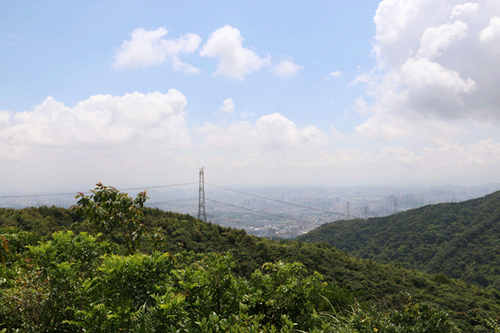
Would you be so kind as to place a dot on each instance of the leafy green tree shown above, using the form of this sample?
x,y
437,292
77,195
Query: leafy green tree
x,y
114,213
23,307
4,249
48,287
494,325
121,292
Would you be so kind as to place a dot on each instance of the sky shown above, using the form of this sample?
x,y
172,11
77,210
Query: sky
x,y
132,93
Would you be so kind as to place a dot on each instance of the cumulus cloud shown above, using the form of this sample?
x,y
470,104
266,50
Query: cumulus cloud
x,y
235,61
277,131
143,138
435,40
464,10
118,139
437,68
227,106
253,152
432,88
430,114
431,99
99,120
286,68
270,133
149,48
285,153
139,139
492,31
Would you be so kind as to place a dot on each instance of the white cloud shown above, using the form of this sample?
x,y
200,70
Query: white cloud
x,y
178,65
271,150
432,88
274,150
492,31
435,40
401,24
4,118
118,139
269,133
286,68
139,139
437,71
276,131
235,61
464,10
334,75
362,107
431,114
227,106
99,120
403,13
149,48
431,102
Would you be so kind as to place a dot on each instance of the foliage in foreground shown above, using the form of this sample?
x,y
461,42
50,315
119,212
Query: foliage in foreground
x,y
97,278
74,283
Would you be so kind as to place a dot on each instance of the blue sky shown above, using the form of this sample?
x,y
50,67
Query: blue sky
x,y
65,50
144,92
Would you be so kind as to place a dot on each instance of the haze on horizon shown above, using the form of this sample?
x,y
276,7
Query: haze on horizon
x,y
389,93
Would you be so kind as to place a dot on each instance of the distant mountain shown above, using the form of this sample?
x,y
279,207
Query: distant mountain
x,y
461,240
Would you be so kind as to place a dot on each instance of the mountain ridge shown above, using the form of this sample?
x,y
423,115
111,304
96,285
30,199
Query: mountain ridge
x,y
382,285
461,240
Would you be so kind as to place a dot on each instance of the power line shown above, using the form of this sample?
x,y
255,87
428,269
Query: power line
x,y
53,194
163,202
13,196
156,187
254,211
278,200
150,187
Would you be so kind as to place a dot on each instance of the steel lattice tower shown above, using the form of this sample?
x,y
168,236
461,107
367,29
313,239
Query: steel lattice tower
x,y
202,214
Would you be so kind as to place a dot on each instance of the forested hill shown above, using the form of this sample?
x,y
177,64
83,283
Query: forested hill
x,y
461,240
375,286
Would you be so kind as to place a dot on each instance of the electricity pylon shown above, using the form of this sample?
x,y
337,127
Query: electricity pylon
x,y
202,214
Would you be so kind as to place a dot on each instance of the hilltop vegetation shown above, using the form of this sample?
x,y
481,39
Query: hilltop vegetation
x,y
460,240
110,264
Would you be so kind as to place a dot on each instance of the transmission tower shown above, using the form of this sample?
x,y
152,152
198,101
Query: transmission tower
x,y
348,209
202,214
365,212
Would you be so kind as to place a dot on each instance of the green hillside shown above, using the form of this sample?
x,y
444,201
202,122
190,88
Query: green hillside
x,y
461,240
126,271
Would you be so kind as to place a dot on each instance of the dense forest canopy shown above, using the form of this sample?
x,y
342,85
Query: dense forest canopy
x,y
460,240
109,264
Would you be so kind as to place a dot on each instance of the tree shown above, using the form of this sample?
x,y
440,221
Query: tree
x,y
113,213
4,249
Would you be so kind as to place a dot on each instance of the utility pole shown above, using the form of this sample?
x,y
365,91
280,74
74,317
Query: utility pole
x,y
348,209
202,214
